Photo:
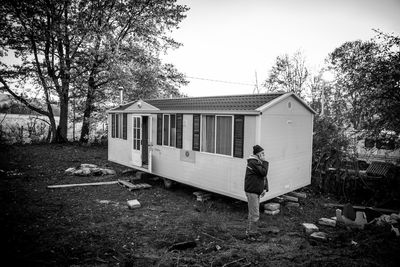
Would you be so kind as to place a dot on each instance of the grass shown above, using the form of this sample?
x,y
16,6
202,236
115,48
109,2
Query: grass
x,y
73,226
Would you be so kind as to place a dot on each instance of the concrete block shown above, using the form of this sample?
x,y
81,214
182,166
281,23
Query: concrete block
x,y
133,204
292,204
310,228
327,222
271,212
272,206
319,236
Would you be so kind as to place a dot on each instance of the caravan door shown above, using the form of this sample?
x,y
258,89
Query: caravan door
x,y
137,141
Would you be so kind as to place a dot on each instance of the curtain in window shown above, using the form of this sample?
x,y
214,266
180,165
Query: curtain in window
x,y
208,134
173,132
224,135
166,130
159,129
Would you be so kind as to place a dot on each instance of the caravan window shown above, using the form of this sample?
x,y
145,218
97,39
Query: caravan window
x,y
216,134
119,125
171,133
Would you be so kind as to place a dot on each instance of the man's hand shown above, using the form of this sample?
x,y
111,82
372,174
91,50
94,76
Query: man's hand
x,y
263,193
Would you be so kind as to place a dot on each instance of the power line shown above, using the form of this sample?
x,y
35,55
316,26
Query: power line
x,y
219,81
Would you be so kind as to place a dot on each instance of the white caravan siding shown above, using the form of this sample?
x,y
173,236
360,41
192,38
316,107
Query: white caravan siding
x,y
120,150
286,136
212,172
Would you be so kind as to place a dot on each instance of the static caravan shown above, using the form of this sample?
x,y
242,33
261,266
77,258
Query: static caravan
x,y
205,141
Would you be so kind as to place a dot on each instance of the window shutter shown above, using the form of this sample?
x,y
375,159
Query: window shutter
x,y
113,125
125,126
179,130
238,136
117,125
196,132
159,129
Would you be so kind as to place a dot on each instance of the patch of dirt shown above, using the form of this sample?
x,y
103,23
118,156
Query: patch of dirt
x,y
92,226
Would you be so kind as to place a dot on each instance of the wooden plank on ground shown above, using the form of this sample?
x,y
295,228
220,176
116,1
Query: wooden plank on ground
x,y
290,198
83,184
298,194
131,186
334,205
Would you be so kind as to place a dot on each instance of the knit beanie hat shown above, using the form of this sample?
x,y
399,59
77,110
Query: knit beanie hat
x,y
257,149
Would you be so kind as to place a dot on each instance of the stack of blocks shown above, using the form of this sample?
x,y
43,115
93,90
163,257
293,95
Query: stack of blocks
x,y
272,208
202,196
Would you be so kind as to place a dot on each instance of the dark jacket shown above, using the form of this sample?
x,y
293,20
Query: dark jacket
x,y
256,176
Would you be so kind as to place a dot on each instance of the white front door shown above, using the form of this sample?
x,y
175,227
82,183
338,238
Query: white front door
x,y
137,141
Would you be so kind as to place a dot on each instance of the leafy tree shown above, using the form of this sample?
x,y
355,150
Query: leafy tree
x,y
289,74
368,83
78,46
41,34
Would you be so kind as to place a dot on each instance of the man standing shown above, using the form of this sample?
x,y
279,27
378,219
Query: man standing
x,y
255,185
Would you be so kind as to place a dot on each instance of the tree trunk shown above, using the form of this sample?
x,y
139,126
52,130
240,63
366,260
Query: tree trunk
x,y
85,131
62,129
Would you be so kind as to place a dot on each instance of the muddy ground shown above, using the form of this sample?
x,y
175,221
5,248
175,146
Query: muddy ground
x,y
92,226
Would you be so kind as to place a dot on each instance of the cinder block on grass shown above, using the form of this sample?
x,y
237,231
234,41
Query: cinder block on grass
x,y
272,206
310,228
271,212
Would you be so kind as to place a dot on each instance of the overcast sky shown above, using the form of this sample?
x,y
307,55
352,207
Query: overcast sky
x,y
230,40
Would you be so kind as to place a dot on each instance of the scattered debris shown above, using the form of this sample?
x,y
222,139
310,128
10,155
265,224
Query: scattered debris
x,y
133,204
290,198
327,222
131,186
86,165
183,245
270,230
354,243
386,211
272,206
292,204
395,230
212,236
278,199
272,212
232,262
83,184
386,219
217,247
359,222
298,194
202,196
89,169
104,201
310,228
319,236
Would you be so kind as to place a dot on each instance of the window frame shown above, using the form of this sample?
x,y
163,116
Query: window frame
x,y
215,134
170,115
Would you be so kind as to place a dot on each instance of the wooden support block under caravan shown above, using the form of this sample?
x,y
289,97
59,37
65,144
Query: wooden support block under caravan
x,y
298,194
290,198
